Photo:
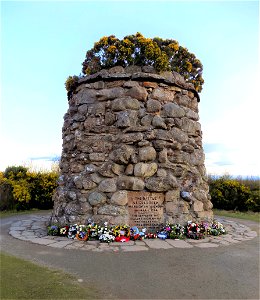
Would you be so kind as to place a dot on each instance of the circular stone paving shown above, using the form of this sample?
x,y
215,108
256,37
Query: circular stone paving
x,y
34,230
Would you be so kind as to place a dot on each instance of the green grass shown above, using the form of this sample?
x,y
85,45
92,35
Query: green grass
x,y
9,213
21,279
251,216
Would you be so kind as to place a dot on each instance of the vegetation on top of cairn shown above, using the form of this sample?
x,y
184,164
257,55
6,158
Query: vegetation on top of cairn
x,y
163,55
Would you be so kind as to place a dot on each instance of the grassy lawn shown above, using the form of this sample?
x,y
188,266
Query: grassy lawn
x,y
21,279
9,213
251,216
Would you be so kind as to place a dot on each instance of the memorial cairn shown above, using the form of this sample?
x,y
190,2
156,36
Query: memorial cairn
x,y
132,144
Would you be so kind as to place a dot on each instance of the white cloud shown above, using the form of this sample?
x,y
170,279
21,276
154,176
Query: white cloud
x,y
13,153
237,130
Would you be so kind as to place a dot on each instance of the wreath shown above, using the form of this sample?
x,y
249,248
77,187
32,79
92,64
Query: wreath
x,y
194,231
64,231
121,233
82,232
217,228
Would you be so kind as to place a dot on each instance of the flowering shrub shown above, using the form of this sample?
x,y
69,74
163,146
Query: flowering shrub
x,y
123,233
23,189
6,194
229,194
71,82
163,55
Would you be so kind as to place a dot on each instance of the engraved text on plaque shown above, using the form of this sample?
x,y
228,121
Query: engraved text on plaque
x,y
145,209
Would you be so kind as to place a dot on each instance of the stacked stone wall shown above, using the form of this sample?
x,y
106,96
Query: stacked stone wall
x,y
131,130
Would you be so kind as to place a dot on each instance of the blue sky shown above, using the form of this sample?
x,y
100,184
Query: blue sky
x,y
42,43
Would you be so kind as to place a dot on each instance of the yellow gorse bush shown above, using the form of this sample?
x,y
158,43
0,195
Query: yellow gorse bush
x,y
21,191
30,189
230,194
163,55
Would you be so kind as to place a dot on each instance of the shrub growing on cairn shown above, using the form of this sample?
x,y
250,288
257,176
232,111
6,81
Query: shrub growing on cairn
x,y
163,55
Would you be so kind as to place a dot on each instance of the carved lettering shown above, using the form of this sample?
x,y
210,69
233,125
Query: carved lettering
x,y
145,210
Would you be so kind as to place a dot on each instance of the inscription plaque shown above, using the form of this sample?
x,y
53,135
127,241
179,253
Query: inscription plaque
x,y
145,210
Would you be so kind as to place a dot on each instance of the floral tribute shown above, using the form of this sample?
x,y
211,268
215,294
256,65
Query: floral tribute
x,y
125,233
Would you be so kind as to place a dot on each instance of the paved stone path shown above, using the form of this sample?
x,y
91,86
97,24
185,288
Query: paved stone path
x,y
33,230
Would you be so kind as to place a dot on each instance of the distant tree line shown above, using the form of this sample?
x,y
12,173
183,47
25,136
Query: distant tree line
x,y
22,189
235,194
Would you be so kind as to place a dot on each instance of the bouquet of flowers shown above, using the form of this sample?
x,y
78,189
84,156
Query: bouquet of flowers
x,y
82,232
134,233
53,230
176,231
105,235
64,231
150,235
217,228
162,235
72,231
121,233
193,231
92,229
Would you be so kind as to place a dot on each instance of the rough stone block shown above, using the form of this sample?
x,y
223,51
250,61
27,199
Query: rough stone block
x,y
112,210
119,198
61,244
149,84
205,215
179,243
147,120
207,245
197,206
159,184
108,185
96,198
117,169
172,196
162,95
171,208
122,155
162,157
147,154
88,184
145,170
173,110
130,183
153,106
129,169
126,118
138,93
134,248
158,122
97,156
178,135
109,94
110,118
157,244
125,103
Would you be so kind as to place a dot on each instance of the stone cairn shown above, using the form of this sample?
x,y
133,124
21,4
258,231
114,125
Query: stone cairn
x,y
132,151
